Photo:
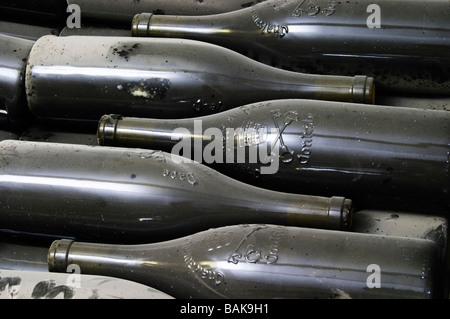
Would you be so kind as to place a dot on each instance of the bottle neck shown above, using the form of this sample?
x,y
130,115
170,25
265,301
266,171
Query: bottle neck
x,y
104,259
148,24
107,259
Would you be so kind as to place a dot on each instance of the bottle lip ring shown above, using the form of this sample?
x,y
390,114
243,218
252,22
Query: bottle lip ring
x,y
58,253
340,212
106,130
140,24
363,90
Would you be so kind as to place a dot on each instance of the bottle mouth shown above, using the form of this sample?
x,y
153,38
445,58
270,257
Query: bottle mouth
x,y
340,212
58,253
140,24
106,130
363,90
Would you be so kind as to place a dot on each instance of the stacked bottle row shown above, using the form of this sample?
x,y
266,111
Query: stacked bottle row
x,y
408,250
227,153
402,44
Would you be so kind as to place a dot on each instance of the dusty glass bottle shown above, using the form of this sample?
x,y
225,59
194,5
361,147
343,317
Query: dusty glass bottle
x,y
121,12
136,196
403,44
318,147
113,13
265,261
86,77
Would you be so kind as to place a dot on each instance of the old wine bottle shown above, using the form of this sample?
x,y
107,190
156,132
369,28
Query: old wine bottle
x,y
121,12
318,147
121,195
403,44
85,77
265,261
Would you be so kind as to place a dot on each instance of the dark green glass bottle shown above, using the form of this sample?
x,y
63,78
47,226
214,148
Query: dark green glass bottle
x,y
266,261
112,13
86,77
121,12
121,195
403,44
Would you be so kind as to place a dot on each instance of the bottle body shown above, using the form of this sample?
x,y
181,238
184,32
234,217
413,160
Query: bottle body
x,y
264,261
404,45
136,196
86,77
321,147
